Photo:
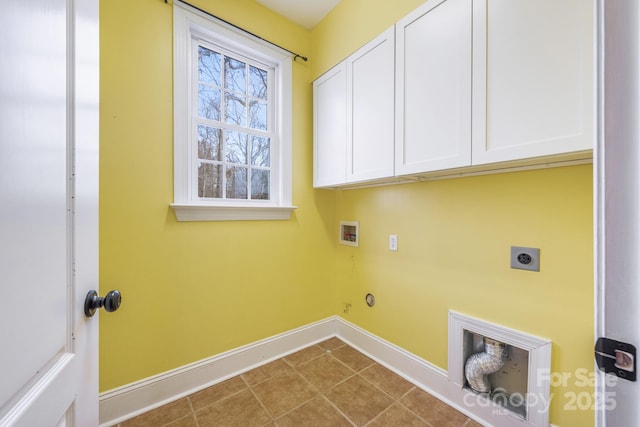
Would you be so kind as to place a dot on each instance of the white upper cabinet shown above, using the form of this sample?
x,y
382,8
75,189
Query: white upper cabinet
x,y
370,113
533,78
460,85
354,116
433,87
330,127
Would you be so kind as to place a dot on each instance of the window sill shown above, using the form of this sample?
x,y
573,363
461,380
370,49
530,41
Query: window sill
x,y
231,212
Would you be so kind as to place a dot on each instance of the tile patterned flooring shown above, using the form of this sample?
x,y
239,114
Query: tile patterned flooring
x,y
327,384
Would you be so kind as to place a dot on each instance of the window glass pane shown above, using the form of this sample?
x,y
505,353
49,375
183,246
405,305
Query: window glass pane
x,y
236,182
209,180
208,102
258,115
236,147
260,151
257,83
209,66
260,184
209,147
235,111
230,123
235,73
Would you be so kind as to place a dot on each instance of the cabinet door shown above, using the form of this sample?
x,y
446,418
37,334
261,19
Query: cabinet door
x,y
533,81
370,113
433,87
330,127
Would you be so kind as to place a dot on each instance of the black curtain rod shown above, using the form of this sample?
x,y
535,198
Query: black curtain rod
x,y
295,55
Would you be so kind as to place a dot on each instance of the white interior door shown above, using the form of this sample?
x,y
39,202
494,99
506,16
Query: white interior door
x,y
617,201
48,216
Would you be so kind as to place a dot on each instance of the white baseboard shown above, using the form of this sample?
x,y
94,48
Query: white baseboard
x,y
136,398
426,376
133,399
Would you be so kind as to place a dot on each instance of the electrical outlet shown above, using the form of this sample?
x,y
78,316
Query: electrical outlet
x,y
393,242
525,258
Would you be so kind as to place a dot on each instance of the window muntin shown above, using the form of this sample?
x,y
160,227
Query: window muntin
x,y
234,136
209,184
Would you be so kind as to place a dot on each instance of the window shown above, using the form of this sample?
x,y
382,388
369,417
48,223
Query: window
x,y
232,122
234,142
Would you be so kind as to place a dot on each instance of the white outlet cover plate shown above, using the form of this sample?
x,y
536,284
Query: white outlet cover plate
x,y
393,242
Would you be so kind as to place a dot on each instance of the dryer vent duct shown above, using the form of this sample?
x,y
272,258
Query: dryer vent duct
x,y
480,365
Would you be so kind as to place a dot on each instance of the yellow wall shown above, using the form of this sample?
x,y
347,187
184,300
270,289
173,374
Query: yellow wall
x,y
454,242
193,290
454,238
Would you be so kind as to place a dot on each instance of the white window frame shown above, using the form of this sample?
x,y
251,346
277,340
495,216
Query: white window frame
x,y
190,24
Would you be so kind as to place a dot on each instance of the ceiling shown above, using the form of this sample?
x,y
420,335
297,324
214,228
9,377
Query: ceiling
x,y
306,13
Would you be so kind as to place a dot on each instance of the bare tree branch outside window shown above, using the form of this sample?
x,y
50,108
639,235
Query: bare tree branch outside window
x,y
233,146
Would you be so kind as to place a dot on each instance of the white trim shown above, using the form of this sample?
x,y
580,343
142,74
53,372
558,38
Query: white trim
x,y
572,159
599,234
426,376
539,351
189,23
185,212
136,398
141,396
616,207
409,366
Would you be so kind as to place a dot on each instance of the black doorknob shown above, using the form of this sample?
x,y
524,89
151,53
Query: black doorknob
x,y
110,302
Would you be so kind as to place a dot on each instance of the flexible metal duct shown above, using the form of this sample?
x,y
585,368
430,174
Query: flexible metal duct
x,y
480,365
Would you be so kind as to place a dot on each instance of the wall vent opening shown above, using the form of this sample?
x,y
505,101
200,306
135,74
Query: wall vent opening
x,y
517,385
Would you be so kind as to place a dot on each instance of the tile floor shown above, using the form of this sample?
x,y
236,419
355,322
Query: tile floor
x,y
328,384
